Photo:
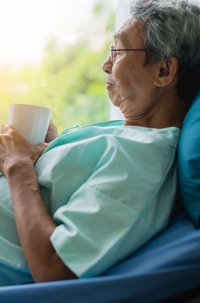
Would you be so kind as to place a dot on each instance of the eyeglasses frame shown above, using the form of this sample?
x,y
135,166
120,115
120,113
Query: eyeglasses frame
x,y
113,49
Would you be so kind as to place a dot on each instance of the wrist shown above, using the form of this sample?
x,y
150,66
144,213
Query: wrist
x,y
21,177
13,167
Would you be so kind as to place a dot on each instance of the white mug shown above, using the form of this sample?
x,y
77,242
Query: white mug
x,y
30,121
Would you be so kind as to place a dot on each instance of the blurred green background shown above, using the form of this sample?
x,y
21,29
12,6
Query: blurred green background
x,y
69,78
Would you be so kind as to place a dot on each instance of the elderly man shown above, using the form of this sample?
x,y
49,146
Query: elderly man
x,y
98,193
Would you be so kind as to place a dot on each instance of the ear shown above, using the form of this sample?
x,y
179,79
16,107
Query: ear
x,y
167,71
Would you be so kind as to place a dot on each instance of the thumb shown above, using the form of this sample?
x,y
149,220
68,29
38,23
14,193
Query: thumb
x,y
41,147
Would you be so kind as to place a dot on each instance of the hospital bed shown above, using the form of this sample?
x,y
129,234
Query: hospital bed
x,y
167,269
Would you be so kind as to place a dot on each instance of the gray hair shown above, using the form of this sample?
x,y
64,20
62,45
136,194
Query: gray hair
x,y
173,30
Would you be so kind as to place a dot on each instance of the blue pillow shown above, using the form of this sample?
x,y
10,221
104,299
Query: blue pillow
x,y
189,162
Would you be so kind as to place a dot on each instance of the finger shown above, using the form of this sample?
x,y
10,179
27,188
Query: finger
x,y
42,146
5,128
39,149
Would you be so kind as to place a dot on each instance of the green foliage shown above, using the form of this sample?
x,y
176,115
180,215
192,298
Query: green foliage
x,y
69,79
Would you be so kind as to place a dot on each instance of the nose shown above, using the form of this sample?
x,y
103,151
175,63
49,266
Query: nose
x,y
107,66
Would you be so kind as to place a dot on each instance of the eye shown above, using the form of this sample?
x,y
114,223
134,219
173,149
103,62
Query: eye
x,y
118,53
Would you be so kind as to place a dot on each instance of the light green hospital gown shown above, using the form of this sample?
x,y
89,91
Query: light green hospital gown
x,y
108,187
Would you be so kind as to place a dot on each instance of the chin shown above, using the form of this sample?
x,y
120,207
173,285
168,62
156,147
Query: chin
x,y
114,102
115,99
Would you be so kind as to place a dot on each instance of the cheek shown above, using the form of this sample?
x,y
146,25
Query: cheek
x,y
119,71
121,76
125,81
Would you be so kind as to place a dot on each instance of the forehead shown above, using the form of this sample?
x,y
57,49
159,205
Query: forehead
x,y
131,31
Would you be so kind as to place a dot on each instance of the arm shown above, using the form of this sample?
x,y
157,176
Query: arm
x,y
34,224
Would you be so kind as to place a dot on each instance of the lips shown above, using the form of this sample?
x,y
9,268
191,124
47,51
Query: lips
x,y
109,84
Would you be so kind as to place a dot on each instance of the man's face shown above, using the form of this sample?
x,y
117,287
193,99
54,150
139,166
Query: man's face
x,y
130,82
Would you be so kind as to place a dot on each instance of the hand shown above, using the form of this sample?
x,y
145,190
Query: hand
x,y
52,132
15,150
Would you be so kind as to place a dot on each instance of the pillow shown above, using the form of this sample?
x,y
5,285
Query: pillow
x,y
189,162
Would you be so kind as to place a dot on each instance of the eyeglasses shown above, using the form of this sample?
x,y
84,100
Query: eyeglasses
x,y
115,52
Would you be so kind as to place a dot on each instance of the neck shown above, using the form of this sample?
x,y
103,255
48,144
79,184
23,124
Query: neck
x,y
170,113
